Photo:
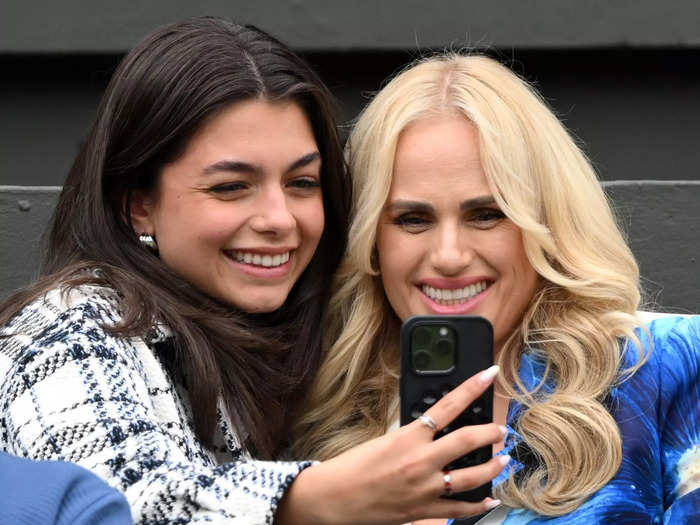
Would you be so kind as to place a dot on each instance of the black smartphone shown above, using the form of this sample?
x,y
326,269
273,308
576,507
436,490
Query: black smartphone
x,y
438,353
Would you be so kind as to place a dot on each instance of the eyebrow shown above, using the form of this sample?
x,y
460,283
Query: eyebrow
x,y
254,169
477,202
402,205
424,207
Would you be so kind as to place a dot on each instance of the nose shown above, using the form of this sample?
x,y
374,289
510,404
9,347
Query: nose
x,y
272,214
451,252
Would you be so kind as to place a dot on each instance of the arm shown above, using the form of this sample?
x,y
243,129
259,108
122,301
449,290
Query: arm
x,y
78,394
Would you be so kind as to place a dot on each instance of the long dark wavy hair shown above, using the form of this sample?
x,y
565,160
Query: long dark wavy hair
x,y
160,95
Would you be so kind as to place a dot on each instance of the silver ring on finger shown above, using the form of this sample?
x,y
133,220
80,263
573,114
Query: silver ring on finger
x,y
429,422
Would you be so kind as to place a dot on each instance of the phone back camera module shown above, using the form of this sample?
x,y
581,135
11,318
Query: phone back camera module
x,y
433,349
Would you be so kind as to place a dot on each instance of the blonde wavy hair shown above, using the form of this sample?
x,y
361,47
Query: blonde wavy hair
x,y
585,303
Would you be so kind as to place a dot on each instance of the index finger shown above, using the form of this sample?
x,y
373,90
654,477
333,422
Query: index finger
x,y
456,401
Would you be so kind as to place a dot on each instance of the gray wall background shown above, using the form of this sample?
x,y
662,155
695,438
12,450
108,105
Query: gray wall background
x,y
624,76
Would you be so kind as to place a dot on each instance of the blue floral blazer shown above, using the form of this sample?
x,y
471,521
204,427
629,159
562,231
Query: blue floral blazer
x,y
658,413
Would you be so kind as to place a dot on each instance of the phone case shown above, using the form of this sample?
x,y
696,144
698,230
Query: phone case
x,y
420,390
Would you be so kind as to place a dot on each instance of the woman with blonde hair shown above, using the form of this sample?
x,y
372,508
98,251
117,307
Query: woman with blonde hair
x,y
471,198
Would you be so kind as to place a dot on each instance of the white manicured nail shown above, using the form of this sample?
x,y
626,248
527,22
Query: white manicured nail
x,y
503,430
504,460
492,504
487,376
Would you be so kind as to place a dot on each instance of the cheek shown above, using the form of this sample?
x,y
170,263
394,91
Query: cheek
x,y
523,274
396,257
312,219
507,251
393,249
523,268
213,220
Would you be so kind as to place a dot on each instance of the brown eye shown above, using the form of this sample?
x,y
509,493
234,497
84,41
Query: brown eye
x,y
486,217
413,223
489,215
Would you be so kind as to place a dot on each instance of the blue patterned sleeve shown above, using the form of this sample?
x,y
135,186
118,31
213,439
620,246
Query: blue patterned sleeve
x,y
677,349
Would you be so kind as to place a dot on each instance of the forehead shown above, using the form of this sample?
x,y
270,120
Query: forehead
x,y
439,155
256,127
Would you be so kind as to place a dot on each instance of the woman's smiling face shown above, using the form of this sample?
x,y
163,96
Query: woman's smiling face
x,y
239,215
444,245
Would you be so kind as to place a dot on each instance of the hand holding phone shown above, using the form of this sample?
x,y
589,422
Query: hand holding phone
x,y
437,354
397,477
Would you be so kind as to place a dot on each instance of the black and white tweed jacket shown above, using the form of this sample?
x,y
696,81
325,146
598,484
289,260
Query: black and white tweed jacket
x,y
73,392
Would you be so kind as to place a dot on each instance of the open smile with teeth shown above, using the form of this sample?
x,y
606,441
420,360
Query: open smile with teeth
x,y
257,259
454,296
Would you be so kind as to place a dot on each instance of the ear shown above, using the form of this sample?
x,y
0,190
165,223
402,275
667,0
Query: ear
x,y
141,207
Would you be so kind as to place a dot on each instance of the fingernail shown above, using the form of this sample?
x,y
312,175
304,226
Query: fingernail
x,y
504,460
492,504
487,376
503,430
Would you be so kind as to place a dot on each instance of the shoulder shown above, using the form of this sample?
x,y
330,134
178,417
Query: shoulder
x,y
675,343
62,335
663,338
668,382
675,357
67,493
56,316
61,303
671,366
98,301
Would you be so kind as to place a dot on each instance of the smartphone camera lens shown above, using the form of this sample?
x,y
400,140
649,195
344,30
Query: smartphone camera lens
x,y
443,347
421,360
422,336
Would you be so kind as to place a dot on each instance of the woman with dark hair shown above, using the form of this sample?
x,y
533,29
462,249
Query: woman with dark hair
x,y
175,327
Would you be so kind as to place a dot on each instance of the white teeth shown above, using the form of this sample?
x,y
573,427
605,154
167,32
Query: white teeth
x,y
454,296
267,261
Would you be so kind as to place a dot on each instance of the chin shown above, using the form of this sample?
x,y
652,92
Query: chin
x,y
260,307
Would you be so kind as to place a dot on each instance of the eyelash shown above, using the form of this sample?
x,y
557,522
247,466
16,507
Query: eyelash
x,y
488,214
482,218
305,183
302,184
409,220
228,187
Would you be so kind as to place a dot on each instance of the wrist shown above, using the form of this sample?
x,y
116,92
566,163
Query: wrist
x,y
302,502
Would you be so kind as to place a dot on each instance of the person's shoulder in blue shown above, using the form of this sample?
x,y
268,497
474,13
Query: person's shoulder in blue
x,y
57,492
675,361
